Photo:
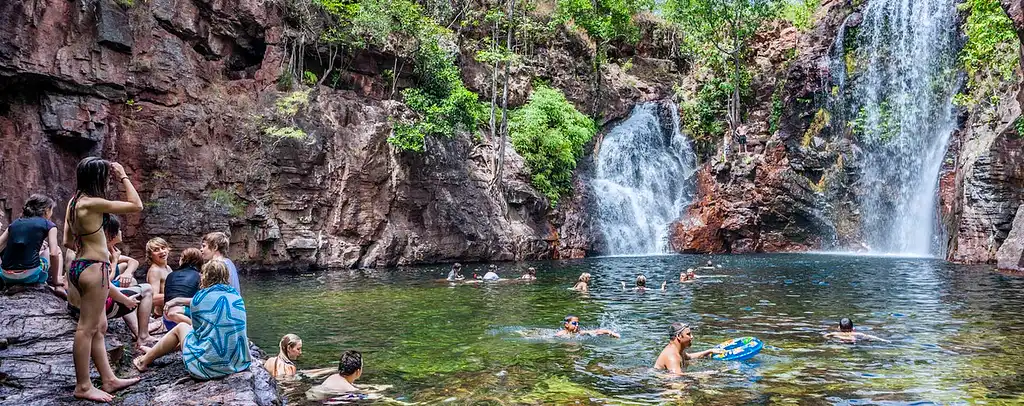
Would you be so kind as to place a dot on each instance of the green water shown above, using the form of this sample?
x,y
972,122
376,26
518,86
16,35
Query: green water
x,y
956,331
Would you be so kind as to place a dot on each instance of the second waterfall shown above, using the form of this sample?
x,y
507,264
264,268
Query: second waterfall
x,y
644,180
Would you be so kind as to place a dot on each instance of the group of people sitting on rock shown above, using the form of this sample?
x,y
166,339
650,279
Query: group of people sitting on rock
x,y
199,303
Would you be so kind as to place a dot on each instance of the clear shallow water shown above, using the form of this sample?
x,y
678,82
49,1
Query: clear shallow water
x,y
956,331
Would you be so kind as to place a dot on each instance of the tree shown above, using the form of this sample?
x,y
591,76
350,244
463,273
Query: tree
x,y
720,31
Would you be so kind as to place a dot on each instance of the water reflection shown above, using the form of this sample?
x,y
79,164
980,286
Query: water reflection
x,y
955,330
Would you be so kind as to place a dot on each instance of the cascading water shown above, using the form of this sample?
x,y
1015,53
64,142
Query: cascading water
x,y
896,80
643,181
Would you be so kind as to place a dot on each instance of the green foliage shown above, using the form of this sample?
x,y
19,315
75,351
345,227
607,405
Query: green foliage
x,y
125,3
604,20
309,78
821,120
777,106
288,106
228,201
800,13
712,27
1019,126
887,125
991,53
703,114
285,132
550,134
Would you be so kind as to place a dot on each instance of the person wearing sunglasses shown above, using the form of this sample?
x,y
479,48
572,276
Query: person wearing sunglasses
x,y
571,328
674,356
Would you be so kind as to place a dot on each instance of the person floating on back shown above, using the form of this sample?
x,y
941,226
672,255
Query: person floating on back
x,y
215,246
89,272
218,345
22,244
582,283
179,288
283,364
571,328
674,357
847,335
456,273
530,275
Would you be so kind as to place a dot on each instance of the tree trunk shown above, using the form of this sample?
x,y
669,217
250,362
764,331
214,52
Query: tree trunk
x,y
494,81
504,107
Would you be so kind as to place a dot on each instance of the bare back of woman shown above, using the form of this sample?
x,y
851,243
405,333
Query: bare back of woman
x,y
87,278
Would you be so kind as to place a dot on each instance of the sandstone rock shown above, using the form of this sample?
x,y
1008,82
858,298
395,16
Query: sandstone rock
x,y
113,28
36,366
1011,253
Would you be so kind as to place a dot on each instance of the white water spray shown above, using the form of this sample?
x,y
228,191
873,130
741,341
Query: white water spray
x,y
644,181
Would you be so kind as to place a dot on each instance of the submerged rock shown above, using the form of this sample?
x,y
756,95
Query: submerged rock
x,y
36,367
1011,253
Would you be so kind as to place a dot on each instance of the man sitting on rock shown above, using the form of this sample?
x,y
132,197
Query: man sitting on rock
x,y
215,246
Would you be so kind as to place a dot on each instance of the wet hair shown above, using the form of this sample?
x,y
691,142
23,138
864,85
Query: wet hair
x,y
584,276
191,257
492,267
217,241
214,272
36,205
531,270
111,225
457,266
677,329
641,281
288,341
92,176
156,243
569,318
350,362
845,324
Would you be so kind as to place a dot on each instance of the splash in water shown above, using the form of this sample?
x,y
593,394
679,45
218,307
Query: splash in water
x,y
644,181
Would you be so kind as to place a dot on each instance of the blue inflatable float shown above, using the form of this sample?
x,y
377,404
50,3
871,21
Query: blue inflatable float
x,y
738,349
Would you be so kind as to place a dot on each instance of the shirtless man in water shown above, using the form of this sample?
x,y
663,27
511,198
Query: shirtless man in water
x,y
571,328
673,357
847,335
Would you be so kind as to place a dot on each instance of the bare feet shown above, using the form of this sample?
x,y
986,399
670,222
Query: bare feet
x,y
93,394
142,349
118,384
138,364
148,341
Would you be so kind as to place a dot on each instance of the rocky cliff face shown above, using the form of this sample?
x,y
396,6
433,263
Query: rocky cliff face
x,y
183,94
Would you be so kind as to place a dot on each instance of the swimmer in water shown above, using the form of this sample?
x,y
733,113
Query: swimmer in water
x,y
674,356
847,335
571,328
492,273
530,275
688,276
641,284
456,273
583,283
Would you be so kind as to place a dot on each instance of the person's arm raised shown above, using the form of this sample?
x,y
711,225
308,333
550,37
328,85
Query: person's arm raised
x,y
133,203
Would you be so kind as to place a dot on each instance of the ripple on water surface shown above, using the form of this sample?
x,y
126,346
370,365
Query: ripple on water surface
x,y
955,330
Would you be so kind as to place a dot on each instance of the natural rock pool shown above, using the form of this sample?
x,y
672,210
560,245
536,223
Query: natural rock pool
x,y
956,331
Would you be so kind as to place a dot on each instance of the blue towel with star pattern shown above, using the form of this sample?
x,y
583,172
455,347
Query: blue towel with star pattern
x,y
218,344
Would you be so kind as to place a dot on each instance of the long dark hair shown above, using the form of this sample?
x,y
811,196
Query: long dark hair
x,y
36,205
93,174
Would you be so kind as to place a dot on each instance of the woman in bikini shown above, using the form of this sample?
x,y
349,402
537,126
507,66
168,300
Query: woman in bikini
x,y
88,273
283,365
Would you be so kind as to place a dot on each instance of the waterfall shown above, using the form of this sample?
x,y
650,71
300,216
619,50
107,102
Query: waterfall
x,y
897,99
643,180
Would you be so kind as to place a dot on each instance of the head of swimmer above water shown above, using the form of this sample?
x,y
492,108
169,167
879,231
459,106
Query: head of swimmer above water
x,y
680,333
641,281
585,277
350,366
291,346
846,325
571,323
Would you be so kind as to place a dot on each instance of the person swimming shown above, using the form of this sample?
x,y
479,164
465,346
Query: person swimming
x,y
492,273
283,364
456,273
582,283
641,284
350,368
687,276
674,356
571,328
530,275
847,335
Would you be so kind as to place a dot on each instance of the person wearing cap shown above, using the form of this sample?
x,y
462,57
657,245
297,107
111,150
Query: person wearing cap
x,y
571,328
531,274
492,273
674,356
456,273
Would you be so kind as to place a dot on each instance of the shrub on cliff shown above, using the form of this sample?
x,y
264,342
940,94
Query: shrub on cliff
x,y
550,133
990,55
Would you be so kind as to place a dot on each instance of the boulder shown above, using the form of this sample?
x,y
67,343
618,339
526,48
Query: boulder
x,y
36,368
1010,256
